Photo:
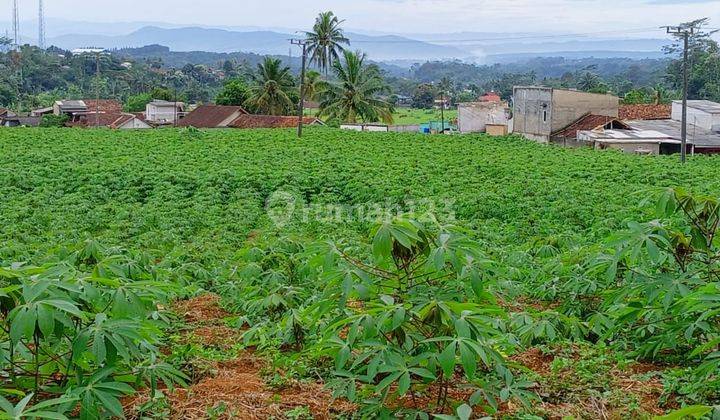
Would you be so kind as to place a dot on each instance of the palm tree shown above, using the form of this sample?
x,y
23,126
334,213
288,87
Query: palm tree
x,y
325,41
312,86
355,94
270,88
588,81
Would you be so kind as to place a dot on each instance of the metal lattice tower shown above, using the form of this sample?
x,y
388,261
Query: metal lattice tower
x,y
41,25
16,24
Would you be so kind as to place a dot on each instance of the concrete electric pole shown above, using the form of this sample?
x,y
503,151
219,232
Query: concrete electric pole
x,y
301,106
683,32
41,25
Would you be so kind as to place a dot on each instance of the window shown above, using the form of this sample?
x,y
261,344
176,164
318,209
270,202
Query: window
x,y
545,115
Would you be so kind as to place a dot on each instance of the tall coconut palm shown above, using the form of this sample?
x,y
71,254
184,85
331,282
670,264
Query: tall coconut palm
x,y
325,41
270,88
355,95
312,86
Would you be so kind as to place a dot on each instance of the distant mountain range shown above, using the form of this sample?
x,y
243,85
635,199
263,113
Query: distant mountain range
x,y
477,47
259,42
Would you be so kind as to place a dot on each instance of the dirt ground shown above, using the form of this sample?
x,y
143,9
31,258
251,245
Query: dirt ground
x,y
236,389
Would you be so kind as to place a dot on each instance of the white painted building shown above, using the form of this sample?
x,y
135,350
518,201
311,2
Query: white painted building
x,y
130,122
164,112
703,114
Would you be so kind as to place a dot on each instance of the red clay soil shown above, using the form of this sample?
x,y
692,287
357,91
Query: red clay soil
x,y
201,309
648,392
236,388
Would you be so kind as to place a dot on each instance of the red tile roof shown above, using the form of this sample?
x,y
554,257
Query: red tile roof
x,y
587,122
212,116
105,105
490,97
645,112
270,121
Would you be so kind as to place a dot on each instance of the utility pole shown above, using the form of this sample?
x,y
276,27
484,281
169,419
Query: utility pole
x,y
97,90
41,25
683,32
301,106
16,25
442,111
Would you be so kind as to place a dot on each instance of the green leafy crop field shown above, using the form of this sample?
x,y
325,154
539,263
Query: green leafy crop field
x,y
401,274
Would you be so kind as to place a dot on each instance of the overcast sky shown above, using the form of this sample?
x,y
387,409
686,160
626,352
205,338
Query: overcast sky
x,y
391,15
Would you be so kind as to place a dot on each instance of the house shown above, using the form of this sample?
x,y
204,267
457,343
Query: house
x,y
442,103
127,121
271,121
645,142
16,121
72,108
568,136
703,114
703,141
473,117
490,97
42,111
212,116
5,113
78,110
164,112
538,112
114,120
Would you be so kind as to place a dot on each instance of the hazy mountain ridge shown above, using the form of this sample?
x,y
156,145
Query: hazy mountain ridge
x,y
480,47
258,42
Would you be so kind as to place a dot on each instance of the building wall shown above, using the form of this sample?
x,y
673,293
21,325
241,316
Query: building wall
x,y
532,113
404,128
134,123
568,106
634,148
160,114
473,117
366,127
696,116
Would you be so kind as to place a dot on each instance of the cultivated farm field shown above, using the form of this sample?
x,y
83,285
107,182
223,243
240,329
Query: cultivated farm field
x,y
249,274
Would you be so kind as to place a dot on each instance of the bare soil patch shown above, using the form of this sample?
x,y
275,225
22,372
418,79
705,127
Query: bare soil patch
x,y
236,388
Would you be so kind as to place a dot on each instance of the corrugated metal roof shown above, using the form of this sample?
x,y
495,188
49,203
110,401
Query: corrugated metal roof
x,y
586,122
705,106
696,135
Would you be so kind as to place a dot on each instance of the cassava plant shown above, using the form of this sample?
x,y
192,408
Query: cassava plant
x,y
419,320
84,329
666,299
